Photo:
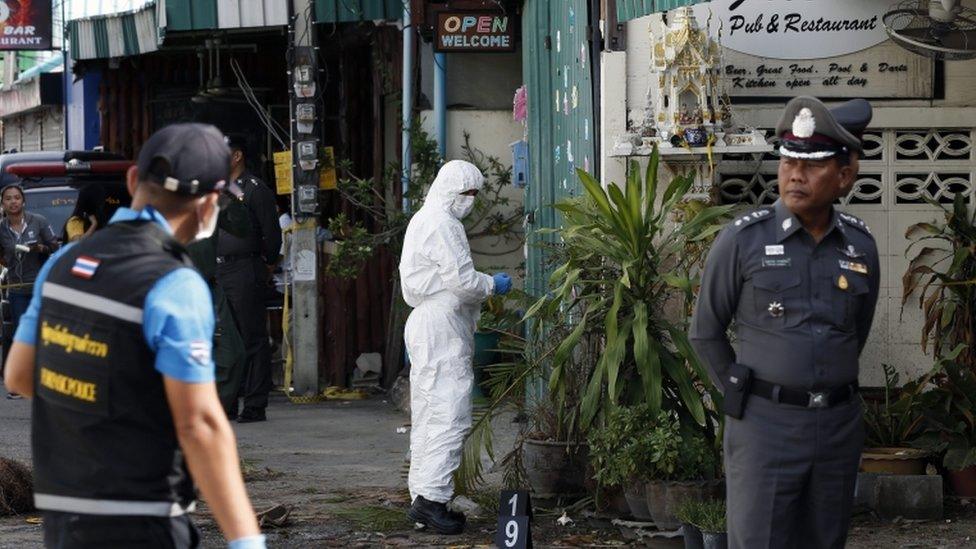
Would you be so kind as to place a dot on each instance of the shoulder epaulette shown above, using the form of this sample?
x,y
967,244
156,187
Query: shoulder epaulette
x,y
854,222
752,217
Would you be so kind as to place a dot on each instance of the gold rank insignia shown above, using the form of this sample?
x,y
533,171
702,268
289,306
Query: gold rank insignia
x,y
842,282
853,266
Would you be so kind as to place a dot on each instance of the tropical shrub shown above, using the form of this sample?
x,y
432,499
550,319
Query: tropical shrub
x,y
626,261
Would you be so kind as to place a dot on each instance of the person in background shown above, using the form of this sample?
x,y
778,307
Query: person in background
x,y
26,241
439,280
87,216
229,353
115,351
244,267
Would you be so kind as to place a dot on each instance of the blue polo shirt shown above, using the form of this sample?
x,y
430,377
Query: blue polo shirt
x,y
178,316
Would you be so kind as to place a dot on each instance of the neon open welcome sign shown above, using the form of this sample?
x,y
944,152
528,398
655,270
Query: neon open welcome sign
x,y
474,32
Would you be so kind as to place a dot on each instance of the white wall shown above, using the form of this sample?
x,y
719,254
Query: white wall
x,y
491,132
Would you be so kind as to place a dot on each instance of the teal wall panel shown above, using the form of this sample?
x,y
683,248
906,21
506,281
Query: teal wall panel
x,y
187,15
348,11
558,75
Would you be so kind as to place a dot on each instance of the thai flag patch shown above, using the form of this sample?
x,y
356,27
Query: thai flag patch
x,y
85,267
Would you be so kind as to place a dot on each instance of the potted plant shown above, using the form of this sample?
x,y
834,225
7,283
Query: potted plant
x,y
893,421
943,272
690,513
626,259
682,465
553,455
602,335
951,413
712,524
617,454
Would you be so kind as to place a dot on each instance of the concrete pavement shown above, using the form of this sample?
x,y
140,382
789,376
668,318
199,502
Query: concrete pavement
x,y
304,455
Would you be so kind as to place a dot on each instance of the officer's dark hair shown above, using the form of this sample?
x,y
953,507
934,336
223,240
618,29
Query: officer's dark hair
x,y
237,143
843,158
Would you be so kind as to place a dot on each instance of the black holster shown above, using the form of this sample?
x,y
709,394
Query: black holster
x,y
738,382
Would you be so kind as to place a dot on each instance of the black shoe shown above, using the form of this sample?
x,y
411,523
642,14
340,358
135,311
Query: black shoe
x,y
436,517
252,415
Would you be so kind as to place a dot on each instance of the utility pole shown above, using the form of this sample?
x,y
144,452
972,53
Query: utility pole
x,y
305,147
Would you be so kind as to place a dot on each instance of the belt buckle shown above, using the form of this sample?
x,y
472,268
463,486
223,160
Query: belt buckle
x,y
818,400
220,260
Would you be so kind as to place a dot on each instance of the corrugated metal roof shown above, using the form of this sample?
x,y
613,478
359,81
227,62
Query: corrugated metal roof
x,y
632,9
115,35
189,15
251,13
349,11
142,31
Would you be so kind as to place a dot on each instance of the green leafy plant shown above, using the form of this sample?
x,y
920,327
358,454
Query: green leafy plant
x,y
943,271
500,313
637,444
689,511
616,450
950,411
672,451
896,419
711,516
628,255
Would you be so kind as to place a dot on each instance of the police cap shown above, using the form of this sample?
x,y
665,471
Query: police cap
x,y
189,159
809,130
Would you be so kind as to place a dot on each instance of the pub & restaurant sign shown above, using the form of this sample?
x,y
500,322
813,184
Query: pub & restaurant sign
x,y
474,31
25,25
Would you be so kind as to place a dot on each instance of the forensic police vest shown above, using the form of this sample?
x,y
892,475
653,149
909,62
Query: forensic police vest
x,y
102,434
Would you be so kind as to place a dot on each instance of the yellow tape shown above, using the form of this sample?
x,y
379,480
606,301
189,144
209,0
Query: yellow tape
x,y
18,285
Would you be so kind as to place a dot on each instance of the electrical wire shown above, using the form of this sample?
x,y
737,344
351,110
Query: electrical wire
x,y
252,100
272,125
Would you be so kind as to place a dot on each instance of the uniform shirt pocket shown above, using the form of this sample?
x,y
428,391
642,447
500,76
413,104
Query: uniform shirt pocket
x,y
848,293
777,299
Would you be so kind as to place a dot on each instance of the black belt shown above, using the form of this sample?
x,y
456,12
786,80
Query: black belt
x,y
235,257
826,398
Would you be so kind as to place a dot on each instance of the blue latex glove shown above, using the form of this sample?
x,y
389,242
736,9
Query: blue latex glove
x,y
503,283
250,542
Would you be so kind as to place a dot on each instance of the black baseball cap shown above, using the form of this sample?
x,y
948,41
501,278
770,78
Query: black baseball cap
x,y
808,129
189,159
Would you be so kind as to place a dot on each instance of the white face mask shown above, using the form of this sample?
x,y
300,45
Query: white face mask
x,y
207,230
462,206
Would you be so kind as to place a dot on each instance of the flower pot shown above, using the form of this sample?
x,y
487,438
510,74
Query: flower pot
x,y
963,482
613,500
664,497
715,540
696,137
554,469
692,536
895,461
637,501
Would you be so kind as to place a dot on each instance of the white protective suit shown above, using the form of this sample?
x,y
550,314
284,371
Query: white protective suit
x,y
440,282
